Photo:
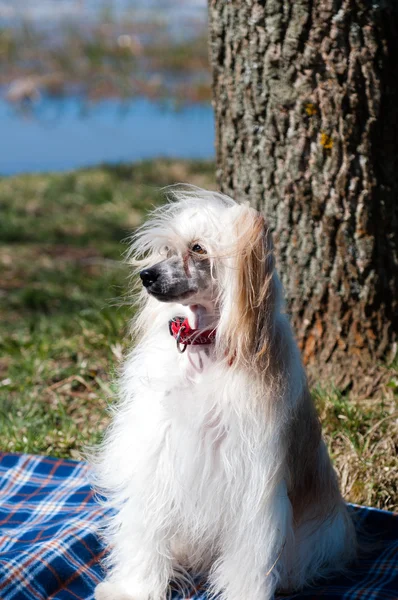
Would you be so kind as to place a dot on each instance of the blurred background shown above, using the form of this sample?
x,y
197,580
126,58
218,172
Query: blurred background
x,y
117,80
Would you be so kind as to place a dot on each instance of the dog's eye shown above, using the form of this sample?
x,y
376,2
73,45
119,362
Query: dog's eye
x,y
198,249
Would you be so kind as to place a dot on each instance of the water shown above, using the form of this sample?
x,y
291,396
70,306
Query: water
x,y
60,137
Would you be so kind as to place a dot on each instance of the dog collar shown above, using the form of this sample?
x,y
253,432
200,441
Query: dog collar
x,y
184,335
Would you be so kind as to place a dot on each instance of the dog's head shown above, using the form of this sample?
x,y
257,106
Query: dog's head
x,y
182,276
181,245
206,250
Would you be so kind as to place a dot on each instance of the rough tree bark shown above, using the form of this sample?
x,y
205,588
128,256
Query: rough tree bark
x,y
306,105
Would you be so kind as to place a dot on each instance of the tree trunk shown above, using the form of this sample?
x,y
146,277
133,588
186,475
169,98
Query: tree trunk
x,y
306,107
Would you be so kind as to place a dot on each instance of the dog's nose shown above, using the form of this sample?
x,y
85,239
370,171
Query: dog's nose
x,y
149,276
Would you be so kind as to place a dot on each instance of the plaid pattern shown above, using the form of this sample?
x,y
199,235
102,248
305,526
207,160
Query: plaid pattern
x,y
49,548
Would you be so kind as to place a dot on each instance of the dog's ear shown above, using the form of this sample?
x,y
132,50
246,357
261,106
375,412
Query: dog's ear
x,y
248,327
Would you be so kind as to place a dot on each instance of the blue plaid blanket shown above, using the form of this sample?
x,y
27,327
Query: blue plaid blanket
x,y
49,548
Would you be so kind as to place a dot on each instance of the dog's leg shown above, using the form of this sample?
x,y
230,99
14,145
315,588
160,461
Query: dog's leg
x,y
140,564
143,579
252,555
106,590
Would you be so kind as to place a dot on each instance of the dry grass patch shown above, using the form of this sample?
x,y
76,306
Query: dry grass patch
x,y
362,437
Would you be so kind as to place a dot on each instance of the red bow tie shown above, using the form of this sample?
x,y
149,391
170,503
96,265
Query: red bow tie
x,y
182,332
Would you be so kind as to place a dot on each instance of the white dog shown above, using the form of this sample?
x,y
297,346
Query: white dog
x,y
214,462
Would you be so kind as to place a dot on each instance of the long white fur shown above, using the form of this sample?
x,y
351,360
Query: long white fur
x,y
196,465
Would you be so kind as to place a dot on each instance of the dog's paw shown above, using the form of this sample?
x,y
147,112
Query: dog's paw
x,y
112,591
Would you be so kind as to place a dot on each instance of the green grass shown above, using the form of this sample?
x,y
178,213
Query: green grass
x,y
63,290
64,319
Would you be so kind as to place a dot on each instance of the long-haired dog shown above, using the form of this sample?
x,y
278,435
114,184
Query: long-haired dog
x,y
214,462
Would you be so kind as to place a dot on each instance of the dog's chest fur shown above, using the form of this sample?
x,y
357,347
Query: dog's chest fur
x,y
205,447
198,424
195,454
